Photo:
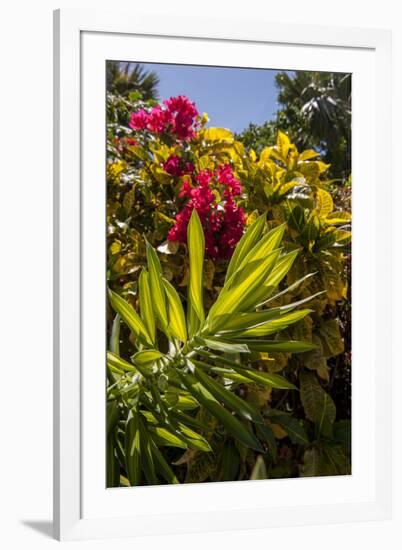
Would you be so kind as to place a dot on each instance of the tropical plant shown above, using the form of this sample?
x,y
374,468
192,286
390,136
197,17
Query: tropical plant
x,y
162,164
315,111
197,362
125,79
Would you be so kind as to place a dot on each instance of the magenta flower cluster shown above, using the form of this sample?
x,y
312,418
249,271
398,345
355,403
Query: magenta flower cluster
x,y
175,166
223,221
212,193
176,115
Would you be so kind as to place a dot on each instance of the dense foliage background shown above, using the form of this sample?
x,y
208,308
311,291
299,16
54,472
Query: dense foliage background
x,y
164,161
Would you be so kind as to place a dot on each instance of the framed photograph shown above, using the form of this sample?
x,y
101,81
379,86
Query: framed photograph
x,y
209,288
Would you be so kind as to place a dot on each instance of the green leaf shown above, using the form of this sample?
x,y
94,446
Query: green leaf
x,y
265,432
317,404
311,230
147,457
114,343
278,346
207,400
130,317
147,358
281,269
196,245
231,400
230,462
161,464
312,461
336,458
113,467
241,296
324,203
343,237
133,449
218,134
274,380
147,313
267,244
219,344
293,427
291,288
192,438
272,326
182,401
112,415
230,374
261,377
246,243
156,287
332,341
295,216
283,145
177,320
283,265
243,321
114,362
341,217
342,433
162,436
308,154
259,470
325,460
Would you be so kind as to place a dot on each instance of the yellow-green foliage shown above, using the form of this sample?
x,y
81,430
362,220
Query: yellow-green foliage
x,y
291,189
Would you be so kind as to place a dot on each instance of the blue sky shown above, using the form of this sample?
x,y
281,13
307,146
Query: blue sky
x,y
232,97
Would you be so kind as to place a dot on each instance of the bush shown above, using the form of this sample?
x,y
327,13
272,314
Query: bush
x,y
164,164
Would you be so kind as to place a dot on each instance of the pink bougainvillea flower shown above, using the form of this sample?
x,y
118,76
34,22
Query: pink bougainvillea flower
x,y
226,177
183,114
223,222
177,115
175,166
139,120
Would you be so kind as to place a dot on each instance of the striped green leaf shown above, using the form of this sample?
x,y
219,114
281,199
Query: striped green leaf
x,y
156,287
222,345
196,245
161,464
246,243
232,424
277,346
146,309
177,320
264,246
259,470
272,326
130,317
116,363
114,343
229,399
133,449
264,378
238,297
147,357
244,321
291,288
147,455
164,437
281,269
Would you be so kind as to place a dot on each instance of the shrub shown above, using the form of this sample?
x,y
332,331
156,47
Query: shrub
x,y
168,165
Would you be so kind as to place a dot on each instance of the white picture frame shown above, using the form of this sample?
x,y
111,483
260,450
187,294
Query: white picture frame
x,y
83,507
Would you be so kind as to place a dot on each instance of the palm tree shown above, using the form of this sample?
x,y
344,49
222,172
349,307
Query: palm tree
x,y
316,107
124,78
